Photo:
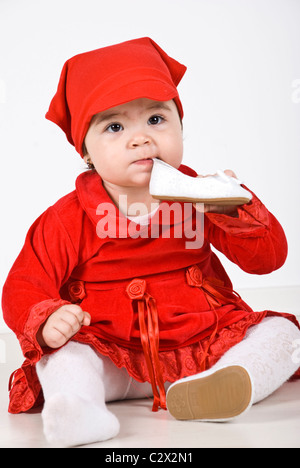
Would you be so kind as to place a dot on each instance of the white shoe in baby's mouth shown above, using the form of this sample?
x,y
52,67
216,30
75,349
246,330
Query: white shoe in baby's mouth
x,y
167,183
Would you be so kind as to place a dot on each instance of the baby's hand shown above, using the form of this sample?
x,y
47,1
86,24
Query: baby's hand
x,y
62,325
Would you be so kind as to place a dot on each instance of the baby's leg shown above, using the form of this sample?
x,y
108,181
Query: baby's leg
x,y
120,386
75,412
267,353
246,374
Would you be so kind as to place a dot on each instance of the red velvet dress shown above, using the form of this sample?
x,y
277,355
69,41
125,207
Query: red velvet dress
x,y
158,309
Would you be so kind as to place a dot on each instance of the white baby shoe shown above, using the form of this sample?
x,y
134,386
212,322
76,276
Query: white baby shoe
x,y
167,183
213,395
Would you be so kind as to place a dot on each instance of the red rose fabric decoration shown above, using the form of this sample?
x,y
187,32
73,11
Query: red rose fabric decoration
x,y
136,289
77,291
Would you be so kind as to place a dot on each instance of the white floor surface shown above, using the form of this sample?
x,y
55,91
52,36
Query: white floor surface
x,y
273,423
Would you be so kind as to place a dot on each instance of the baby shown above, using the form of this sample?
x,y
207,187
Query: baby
x,y
106,313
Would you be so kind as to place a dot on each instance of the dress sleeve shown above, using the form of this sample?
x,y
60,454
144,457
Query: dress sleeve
x,y
254,240
31,292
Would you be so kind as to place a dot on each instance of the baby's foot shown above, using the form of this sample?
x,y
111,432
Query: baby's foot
x,y
70,420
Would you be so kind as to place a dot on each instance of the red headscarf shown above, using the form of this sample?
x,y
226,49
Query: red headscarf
x,y
98,80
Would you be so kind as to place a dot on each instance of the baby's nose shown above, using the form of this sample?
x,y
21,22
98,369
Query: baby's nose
x,y
139,139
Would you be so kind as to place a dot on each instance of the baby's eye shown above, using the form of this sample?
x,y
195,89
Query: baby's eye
x,y
114,128
155,119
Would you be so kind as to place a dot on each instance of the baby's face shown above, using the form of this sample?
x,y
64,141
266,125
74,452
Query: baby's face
x,y
122,141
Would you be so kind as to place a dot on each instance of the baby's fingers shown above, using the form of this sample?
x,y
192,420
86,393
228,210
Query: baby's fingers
x,y
86,319
81,316
75,317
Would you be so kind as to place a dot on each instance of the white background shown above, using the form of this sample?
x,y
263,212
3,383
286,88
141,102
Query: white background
x,y
241,96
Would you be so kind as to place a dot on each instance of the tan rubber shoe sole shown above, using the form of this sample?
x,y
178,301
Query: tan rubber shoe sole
x,y
207,201
222,395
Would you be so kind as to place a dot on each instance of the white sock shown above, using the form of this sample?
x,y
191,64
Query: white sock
x,y
266,353
75,412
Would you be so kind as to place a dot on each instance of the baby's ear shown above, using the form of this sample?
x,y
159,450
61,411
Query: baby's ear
x,y
84,151
88,161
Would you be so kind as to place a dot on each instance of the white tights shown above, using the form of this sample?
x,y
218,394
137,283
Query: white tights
x,y
77,381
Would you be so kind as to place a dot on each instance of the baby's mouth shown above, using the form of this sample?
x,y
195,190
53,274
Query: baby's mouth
x,y
146,161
